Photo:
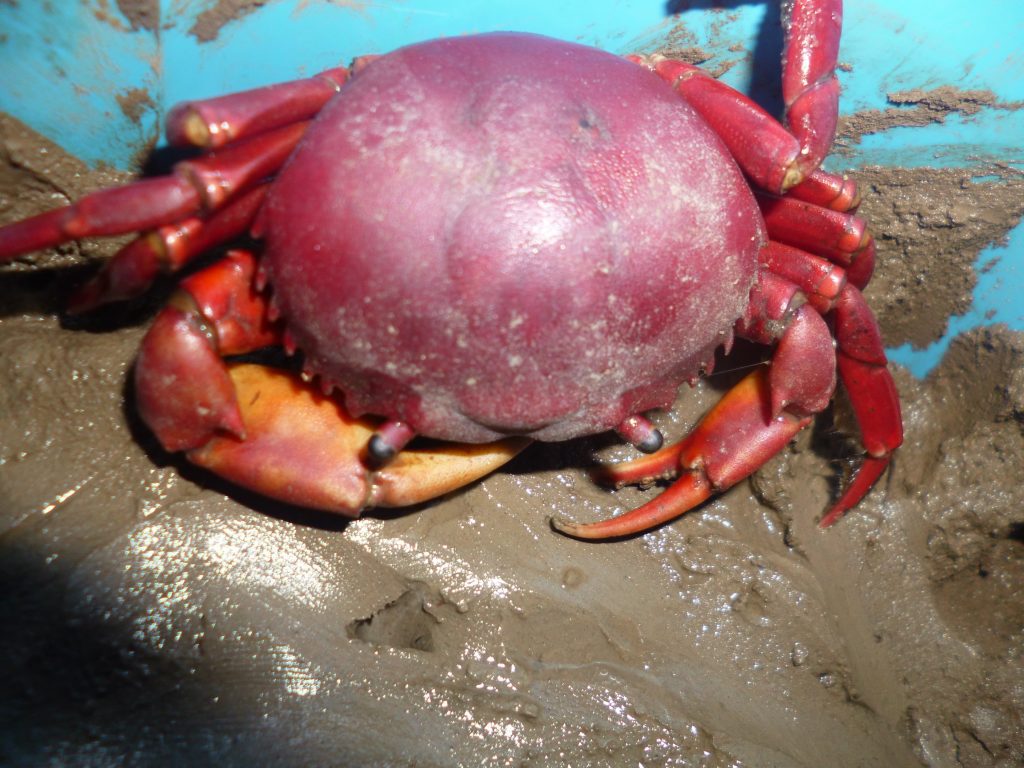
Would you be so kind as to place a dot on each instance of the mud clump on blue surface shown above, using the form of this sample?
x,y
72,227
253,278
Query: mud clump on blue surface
x,y
930,225
152,614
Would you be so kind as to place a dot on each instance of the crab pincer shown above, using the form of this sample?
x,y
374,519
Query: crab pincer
x,y
265,429
303,448
737,436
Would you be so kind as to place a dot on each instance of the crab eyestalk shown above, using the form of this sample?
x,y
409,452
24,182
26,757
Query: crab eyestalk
x,y
640,433
388,441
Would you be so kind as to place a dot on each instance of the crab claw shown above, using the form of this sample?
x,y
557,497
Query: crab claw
x,y
736,437
303,448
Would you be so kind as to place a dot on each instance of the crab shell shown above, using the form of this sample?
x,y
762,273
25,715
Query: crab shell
x,y
508,234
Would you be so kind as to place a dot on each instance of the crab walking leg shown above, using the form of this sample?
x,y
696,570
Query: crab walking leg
x,y
195,186
266,430
777,158
819,279
839,236
218,121
132,270
863,368
749,425
828,190
810,88
763,148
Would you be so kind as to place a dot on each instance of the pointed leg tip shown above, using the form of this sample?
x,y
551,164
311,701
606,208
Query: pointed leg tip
x,y
833,516
571,529
861,484
561,525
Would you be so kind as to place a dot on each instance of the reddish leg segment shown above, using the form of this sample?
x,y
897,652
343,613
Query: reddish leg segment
x,y
872,391
204,184
828,190
165,250
837,235
215,122
810,88
764,149
775,158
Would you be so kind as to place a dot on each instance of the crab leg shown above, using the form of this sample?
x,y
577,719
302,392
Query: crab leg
x,y
775,158
764,149
810,88
820,280
199,185
215,122
837,235
165,250
860,358
828,190
872,391
266,430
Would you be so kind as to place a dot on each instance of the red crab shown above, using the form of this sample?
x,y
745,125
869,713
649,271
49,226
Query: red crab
x,y
494,238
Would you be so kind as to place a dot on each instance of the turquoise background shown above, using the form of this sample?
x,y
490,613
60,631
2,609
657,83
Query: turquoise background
x,y
64,66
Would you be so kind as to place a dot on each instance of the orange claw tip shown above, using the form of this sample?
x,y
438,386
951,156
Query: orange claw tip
x,y
683,495
303,448
420,474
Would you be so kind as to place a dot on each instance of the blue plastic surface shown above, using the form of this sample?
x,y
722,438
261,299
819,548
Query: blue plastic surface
x,y
70,69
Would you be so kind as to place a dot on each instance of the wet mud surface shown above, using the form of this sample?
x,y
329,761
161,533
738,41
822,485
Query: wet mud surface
x,y
154,614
